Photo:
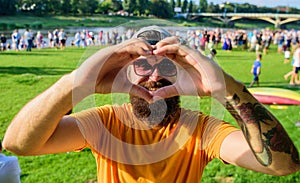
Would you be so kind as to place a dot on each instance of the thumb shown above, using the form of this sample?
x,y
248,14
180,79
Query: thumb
x,y
141,92
166,92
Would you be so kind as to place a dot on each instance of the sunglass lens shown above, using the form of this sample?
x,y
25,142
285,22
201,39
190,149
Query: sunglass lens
x,y
142,67
167,68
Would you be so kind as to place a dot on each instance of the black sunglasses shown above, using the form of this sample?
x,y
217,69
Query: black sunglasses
x,y
152,42
165,68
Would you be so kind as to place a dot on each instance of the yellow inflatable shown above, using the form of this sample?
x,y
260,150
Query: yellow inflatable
x,y
268,95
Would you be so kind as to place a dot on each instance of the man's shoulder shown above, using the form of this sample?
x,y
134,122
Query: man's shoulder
x,y
257,62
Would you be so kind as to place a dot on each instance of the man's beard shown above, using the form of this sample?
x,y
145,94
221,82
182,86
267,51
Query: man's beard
x,y
160,112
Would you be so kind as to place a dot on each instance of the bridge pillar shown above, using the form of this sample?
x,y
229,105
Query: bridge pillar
x,y
277,23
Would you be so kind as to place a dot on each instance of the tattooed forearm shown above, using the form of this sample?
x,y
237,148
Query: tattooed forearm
x,y
261,129
246,119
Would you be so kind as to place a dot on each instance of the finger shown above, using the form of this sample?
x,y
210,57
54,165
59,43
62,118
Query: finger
x,y
128,51
165,48
141,47
168,41
172,51
166,92
141,92
123,85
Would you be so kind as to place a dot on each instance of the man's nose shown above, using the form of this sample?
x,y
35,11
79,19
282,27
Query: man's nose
x,y
155,75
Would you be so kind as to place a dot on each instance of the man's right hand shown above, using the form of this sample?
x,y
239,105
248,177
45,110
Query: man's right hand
x,y
105,71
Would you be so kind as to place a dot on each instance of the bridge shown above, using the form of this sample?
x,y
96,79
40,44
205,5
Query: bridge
x,y
277,19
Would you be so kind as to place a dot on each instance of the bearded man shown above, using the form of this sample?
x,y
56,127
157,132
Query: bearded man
x,y
152,138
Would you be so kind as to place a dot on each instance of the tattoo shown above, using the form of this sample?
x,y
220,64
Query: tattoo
x,y
251,114
235,115
264,157
278,140
249,117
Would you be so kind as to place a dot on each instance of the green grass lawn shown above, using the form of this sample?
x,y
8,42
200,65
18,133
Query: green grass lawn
x,y
34,22
23,75
22,21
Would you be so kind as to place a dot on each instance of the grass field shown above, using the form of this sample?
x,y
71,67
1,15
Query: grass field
x,y
24,75
9,23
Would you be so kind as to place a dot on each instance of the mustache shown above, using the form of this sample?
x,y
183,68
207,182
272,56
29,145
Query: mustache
x,y
154,85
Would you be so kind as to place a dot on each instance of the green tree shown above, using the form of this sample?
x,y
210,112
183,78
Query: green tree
x,y
104,7
203,5
172,4
191,7
109,6
55,7
66,6
36,7
213,8
141,6
40,7
178,3
7,7
129,5
184,6
75,4
161,9
85,7
116,5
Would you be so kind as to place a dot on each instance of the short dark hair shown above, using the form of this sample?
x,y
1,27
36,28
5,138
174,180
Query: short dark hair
x,y
259,55
213,51
152,34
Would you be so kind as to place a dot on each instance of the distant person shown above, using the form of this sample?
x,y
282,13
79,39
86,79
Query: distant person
x,y
227,43
296,67
39,40
256,70
55,38
253,40
9,168
77,39
287,54
16,37
100,37
28,36
83,38
62,36
212,54
3,40
280,42
259,43
50,39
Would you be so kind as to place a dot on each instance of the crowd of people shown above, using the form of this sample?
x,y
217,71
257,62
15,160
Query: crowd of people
x,y
86,38
58,39
251,40
201,39
204,40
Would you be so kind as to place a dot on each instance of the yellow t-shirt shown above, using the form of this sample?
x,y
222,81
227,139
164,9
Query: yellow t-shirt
x,y
127,150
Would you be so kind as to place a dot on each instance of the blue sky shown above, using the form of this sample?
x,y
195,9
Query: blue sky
x,y
267,3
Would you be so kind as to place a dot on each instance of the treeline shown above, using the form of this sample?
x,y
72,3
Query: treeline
x,y
158,8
